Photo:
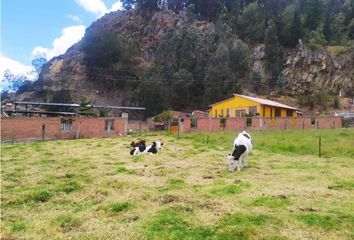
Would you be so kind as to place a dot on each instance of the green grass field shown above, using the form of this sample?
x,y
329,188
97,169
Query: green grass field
x,y
93,188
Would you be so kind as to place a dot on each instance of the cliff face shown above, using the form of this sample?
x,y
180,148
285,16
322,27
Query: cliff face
x,y
313,70
174,42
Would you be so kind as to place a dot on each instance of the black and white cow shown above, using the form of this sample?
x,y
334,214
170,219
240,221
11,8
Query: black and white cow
x,y
242,146
152,149
141,144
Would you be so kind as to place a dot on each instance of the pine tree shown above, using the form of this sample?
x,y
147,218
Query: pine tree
x,y
295,29
313,14
327,31
272,51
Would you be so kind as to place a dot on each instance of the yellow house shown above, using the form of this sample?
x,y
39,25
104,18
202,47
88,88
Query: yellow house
x,y
241,105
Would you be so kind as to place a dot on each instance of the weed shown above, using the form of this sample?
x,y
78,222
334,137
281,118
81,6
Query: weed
x,y
121,169
118,207
18,226
39,196
327,222
67,222
270,202
231,189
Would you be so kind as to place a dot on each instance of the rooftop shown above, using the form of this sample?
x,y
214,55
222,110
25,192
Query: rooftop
x,y
260,101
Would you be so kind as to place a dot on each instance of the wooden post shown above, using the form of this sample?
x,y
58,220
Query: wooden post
x,y
78,131
207,139
210,124
319,146
43,132
13,135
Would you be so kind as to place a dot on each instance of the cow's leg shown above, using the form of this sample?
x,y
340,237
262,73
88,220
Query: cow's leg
x,y
136,152
238,165
231,163
245,159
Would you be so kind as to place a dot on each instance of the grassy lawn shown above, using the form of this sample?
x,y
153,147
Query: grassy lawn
x,y
93,188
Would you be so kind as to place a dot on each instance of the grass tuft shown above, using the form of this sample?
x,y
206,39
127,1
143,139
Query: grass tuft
x,y
270,202
326,222
118,207
39,196
67,222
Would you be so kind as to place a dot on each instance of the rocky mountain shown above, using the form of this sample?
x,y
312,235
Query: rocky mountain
x,y
179,60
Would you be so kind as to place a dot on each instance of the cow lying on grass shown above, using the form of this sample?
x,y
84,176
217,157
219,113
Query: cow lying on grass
x,y
242,146
141,148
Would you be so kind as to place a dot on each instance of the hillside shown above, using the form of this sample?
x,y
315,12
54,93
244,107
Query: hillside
x,y
167,55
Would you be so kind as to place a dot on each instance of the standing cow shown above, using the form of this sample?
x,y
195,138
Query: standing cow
x,y
242,146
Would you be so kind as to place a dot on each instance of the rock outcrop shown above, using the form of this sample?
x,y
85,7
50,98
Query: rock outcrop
x,y
313,70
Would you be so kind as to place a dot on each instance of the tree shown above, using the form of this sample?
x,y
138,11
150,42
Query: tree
x,y
272,51
295,29
351,29
104,49
256,81
327,31
251,23
313,14
5,94
147,5
240,58
16,82
38,61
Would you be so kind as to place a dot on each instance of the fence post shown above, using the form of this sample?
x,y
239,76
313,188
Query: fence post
x,y
13,135
210,124
319,146
78,131
43,132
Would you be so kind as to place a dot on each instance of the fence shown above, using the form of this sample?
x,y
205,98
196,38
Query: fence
x,y
19,129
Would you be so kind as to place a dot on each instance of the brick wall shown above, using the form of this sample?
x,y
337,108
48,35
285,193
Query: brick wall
x,y
49,128
281,123
135,125
214,124
186,125
328,122
235,124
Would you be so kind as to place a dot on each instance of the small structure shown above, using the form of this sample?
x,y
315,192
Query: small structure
x,y
242,106
199,114
67,109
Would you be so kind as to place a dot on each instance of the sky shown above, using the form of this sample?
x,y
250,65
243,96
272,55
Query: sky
x,y
44,27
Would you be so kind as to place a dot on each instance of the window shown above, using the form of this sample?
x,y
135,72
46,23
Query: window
x,y
277,112
222,112
216,113
227,113
289,113
66,124
109,124
252,110
240,113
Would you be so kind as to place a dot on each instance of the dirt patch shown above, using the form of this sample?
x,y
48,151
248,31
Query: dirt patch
x,y
168,199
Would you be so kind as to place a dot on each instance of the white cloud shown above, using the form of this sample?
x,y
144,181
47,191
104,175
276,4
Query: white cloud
x,y
116,6
15,67
74,18
97,7
70,35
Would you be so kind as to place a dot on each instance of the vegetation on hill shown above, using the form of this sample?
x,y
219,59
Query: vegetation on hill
x,y
190,69
188,54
